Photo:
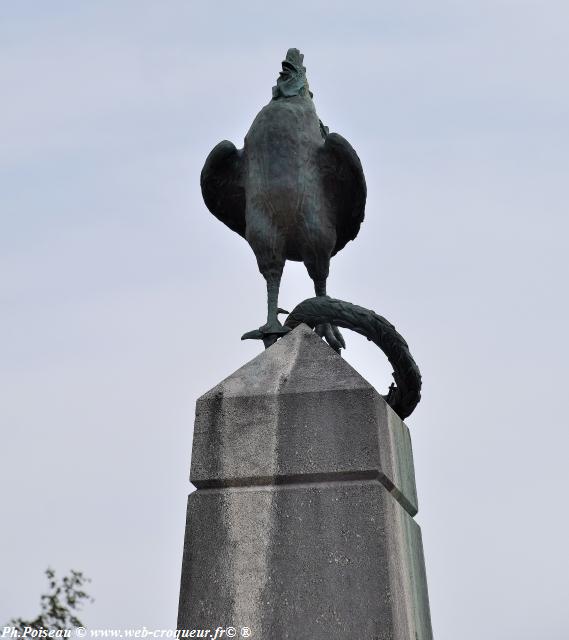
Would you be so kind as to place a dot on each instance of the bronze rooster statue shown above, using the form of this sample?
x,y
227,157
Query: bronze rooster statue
x,y
294,192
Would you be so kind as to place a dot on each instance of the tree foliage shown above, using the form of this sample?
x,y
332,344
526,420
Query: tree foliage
x,y
60,606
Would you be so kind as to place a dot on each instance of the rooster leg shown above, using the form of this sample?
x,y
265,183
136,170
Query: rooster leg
x,y
273,325
270,332
327,330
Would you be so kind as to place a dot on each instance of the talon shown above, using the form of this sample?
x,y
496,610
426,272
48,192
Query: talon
x,y
252,335
338,335
332,335
267,333
269,340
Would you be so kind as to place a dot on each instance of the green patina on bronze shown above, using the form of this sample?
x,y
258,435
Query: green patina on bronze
x,y
405,393
296,192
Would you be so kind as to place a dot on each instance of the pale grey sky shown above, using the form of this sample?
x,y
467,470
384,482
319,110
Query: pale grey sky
x,y
123,300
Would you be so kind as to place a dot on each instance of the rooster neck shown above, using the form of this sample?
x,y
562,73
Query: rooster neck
x,y
286,121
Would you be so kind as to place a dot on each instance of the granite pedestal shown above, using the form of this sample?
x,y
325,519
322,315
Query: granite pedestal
x,y
302,523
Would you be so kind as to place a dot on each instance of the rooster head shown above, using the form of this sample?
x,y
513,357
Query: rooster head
x,y
292,79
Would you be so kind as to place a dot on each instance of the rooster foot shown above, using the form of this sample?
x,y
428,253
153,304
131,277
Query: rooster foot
x,y
332,335
269,333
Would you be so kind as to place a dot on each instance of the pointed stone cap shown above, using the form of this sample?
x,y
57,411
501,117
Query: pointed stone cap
x,y
299,413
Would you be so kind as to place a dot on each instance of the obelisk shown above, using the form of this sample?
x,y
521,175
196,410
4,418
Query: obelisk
x,y
302,525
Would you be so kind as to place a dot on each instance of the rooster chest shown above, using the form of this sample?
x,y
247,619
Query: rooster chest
x,y
281,150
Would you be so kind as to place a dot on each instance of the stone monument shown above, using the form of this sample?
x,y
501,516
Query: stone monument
x,y
302,525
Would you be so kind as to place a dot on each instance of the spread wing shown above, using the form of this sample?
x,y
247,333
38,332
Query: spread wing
x,y
222,186
345,187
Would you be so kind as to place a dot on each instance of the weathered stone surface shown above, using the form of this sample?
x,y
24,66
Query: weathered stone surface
x,y
299,410
311,561
301,527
